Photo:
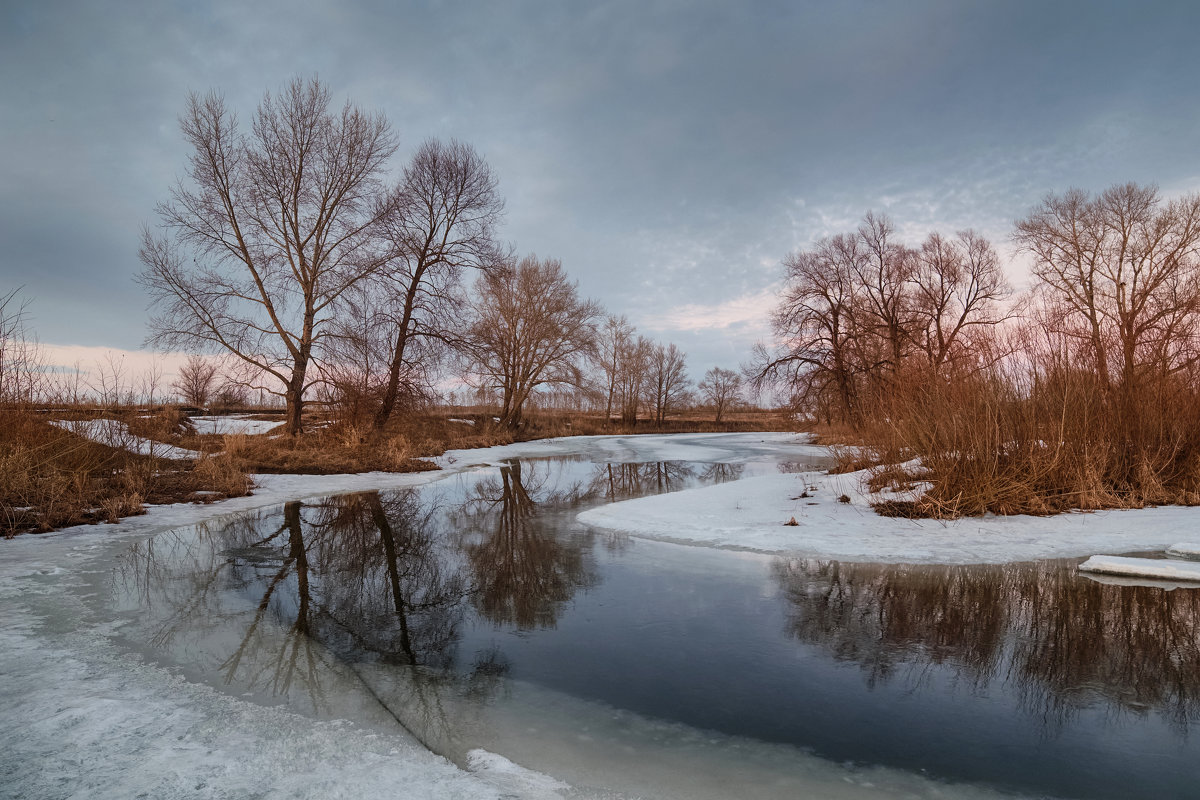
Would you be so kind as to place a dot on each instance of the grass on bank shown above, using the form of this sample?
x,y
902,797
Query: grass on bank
x,y
51,478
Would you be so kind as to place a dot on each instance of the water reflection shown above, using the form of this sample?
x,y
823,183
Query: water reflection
x,y
362,577
524,571
613,482
1061,642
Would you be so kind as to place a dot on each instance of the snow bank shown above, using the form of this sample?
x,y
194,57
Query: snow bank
x,y
1163,568
234,424
115,433
750,514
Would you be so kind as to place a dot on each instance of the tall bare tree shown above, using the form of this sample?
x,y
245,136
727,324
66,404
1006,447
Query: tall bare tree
x,y
268,232
884,275
667,381
440,221
528,328
611,342
721,389
633,376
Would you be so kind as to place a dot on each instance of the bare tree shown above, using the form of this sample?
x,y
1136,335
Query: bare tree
x,y
440,221
196,379
632,376
720,389
611,341
271,229
959,286
528,328
817,328
667,381
23,377
1125,269
884,276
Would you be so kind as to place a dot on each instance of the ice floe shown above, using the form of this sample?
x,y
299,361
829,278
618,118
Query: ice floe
x,y
1160,568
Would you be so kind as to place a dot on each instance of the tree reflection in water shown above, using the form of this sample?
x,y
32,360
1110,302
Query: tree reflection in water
x,y
524,570
1062,641
612,482
363,577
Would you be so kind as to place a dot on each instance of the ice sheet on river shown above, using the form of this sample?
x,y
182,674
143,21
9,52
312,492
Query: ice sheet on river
x,y
750,514
708,447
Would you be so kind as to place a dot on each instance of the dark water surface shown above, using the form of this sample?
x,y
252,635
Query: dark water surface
x,y
462,598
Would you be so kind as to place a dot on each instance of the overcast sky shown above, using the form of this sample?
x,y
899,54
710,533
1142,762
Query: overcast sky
x,y
669,153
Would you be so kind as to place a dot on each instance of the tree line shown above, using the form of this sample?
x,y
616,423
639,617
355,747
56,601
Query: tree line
x,y
288,248
1083,391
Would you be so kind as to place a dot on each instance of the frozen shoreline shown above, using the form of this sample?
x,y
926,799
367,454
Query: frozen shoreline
x,y
750,514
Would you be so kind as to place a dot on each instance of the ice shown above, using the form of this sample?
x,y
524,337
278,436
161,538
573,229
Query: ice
x,y
750,514
1184,550
709,447
240,423
115,433
1160,568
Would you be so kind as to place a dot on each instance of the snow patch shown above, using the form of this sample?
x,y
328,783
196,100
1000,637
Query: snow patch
x,y
240,423
115,433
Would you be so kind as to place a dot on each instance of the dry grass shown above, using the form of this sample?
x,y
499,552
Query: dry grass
x,y
51,478
1051,444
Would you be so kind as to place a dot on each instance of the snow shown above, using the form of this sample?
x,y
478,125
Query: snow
x,y
463,421
749,514
115,433
1184,550
240,423
1163,568
85,720
512,779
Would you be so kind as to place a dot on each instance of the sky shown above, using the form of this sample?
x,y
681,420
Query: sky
x,y
669,153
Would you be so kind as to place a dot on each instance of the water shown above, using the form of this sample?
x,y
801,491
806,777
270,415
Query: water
x,y
476,613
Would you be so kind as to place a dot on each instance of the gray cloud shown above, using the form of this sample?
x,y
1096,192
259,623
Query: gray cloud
x,y
669,153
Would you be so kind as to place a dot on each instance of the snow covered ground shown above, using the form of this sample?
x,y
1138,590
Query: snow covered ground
x,y
83,718
751,514
237,423
115,433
